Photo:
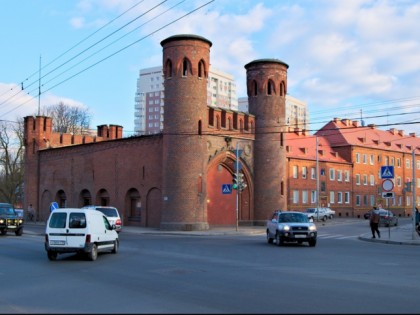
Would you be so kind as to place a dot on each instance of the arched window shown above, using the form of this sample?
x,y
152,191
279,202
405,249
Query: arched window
x,y
282,89
168,69
201,69
186,67
270,87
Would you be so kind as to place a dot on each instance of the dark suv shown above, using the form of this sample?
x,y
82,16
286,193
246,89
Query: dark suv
x,y
9,220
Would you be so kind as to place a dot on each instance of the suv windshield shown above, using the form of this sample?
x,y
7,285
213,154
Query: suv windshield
x,y
109,212
7,211
293,217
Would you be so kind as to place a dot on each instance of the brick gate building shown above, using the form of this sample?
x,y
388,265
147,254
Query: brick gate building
x,y
172,180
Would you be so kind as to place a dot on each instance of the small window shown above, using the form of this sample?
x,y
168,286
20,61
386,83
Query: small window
x,y
77,221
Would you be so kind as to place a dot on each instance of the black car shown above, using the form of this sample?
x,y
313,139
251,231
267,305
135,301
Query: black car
x,y
9,220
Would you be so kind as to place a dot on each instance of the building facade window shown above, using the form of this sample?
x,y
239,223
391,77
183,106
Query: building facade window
x,y
313,173
372,200
313,196
347,176
365,179
304,172
339,197
339,175
332,197
332,174
357,158
295,196
347,197
295,171
372,159
304,196
372,180
357,179
398,162
358,200
407,163
364,158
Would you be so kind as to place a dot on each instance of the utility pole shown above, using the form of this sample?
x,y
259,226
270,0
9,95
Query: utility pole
x,y
39,88
317,179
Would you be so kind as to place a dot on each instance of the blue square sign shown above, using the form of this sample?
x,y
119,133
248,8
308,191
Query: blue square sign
x,y
387,171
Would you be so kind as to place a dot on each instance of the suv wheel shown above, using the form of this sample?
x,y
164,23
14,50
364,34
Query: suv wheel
x,y
269,239
279,240
19,232
3,232
312,243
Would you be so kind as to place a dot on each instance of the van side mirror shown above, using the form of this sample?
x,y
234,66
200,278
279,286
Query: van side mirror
x,y
113,227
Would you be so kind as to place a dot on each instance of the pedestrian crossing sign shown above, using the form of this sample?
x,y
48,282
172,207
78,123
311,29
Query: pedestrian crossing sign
x,y
226,189
387,171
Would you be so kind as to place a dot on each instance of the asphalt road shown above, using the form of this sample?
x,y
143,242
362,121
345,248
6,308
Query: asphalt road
x,y
214,274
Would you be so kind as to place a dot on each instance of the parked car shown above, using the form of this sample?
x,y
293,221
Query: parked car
x,y
367,214
291,226
111,214
314,214
387,218
330,213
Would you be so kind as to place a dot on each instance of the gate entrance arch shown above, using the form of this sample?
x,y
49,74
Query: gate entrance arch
x,y
221,208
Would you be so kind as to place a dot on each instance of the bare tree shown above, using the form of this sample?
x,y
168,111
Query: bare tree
x,y
68,119
11,161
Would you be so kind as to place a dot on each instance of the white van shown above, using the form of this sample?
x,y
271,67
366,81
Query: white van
x,y
73,230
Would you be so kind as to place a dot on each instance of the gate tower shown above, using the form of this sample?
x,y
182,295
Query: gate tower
x,y
266,89
186,60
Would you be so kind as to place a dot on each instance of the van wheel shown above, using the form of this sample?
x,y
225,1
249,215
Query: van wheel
x,y
116,245
52,255
93,253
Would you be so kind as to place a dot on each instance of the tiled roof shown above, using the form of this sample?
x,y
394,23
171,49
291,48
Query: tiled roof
x,y
300,144
344,132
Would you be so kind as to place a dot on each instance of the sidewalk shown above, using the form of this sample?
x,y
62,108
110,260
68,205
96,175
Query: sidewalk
x,y
402,235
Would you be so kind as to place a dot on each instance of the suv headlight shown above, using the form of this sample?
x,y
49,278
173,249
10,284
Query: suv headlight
x,y
1,221
286,228
312,228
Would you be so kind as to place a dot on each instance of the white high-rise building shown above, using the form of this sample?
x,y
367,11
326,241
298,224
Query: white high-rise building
x,y
149,99
297,114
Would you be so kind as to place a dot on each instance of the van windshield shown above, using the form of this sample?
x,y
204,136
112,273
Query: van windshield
x,y
58,220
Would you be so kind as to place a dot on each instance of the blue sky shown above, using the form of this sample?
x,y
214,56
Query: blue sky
x,y
347,59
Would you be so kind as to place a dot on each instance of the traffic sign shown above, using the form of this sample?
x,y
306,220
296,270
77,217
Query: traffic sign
x,y
226,189
387,172
388,195
53,206
387,185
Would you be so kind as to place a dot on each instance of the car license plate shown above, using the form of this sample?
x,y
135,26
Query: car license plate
x,y
300,236
12,226
57,242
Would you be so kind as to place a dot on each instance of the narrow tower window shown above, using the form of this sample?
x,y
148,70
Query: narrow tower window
x,y
270,87
185,67
282,89
201,69
254,88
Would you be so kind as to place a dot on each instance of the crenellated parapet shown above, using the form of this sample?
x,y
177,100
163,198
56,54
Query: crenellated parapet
x,y
39,134
230,122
